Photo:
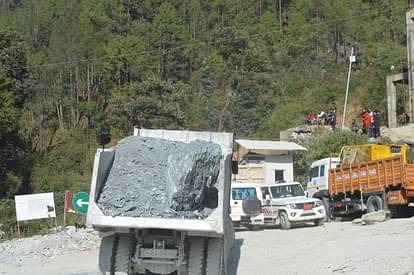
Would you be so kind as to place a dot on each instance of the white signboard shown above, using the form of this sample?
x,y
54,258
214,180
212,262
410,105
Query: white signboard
x,y
36,206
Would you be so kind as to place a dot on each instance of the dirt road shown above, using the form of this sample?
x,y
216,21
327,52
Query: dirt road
x,y
334,248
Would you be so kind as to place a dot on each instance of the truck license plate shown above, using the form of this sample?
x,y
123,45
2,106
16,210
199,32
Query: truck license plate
x,y
307,206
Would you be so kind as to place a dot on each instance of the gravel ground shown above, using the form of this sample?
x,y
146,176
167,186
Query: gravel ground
x,y
334,248
48,247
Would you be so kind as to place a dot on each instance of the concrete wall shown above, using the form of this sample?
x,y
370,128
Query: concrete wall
x,y
273,163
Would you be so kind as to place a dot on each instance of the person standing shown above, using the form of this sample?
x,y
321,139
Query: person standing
x,y
377,124
366,120
364,130
332,118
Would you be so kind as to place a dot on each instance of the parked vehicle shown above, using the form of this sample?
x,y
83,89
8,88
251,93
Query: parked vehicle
x,y
319,174
287,205
148,245
317,187
245,205
369,178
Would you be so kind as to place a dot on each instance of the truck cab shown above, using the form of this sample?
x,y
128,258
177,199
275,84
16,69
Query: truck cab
x,y
319,172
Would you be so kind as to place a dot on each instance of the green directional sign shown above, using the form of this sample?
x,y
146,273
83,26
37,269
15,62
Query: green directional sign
x,y
80,202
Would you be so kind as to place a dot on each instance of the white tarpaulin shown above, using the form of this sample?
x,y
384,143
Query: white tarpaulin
x,y
36,206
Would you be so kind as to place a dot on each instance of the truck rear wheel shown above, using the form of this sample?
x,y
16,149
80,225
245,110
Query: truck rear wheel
x,y
215,257
196,260
284,221
374,203
124,253
115,253
105,253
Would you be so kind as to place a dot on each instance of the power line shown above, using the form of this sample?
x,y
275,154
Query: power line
x,y
200,43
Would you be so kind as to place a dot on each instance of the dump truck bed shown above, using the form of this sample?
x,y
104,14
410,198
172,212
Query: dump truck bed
x,y
213,225
371,176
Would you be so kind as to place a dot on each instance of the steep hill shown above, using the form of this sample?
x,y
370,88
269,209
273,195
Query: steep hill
x,y
76,74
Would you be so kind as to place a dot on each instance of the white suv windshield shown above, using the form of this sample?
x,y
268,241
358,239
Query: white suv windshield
x,y
284,191
243,193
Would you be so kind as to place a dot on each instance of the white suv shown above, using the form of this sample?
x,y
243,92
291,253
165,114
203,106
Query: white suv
x,y
246,206
287,202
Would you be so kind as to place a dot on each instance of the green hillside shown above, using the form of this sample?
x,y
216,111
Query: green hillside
x,y
76,74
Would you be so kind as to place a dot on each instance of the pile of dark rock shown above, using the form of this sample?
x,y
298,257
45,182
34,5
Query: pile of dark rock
x,y
154,177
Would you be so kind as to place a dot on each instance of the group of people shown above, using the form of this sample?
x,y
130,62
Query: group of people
x,y
323,118
371,123
313,119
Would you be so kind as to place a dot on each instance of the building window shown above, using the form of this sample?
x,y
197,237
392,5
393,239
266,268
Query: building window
x,y
279,175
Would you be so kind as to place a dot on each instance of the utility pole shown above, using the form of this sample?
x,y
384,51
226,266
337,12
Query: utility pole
x,y
351,60
410,55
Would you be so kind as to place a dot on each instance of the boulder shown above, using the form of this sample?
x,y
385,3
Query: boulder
x,y
377,216
192,171
154,177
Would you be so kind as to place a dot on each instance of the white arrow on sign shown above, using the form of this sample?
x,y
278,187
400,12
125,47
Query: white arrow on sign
x,y
80,202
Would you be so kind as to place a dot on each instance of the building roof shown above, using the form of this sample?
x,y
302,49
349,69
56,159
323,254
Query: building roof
x,y
268,147
251,144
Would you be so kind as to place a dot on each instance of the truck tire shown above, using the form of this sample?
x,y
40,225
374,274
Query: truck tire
x,y
196,261
285,224
251,206
215,257
124,253
374,203
105,253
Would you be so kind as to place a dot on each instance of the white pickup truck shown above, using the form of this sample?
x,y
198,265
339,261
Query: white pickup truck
x,y
287,205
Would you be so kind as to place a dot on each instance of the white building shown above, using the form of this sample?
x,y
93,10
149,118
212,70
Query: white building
x,y
264,161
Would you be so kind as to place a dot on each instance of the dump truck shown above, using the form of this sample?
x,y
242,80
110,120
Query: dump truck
x,y
369,178
158,245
